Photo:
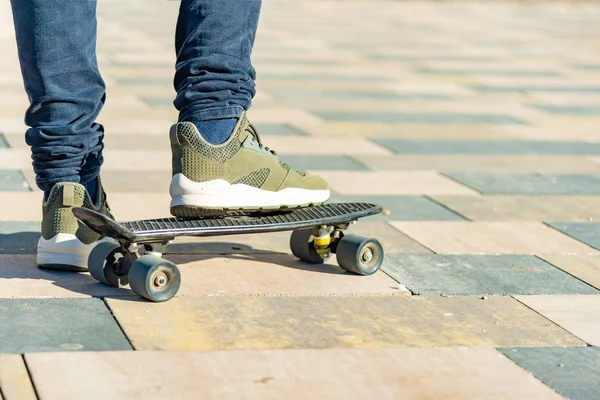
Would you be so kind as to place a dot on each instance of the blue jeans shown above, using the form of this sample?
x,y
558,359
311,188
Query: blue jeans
x,y
214,77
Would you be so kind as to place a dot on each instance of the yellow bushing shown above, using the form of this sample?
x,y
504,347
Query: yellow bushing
x,y
322,242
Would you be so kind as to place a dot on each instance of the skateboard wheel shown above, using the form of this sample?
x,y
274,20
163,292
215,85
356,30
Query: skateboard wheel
x,y
359,254
101,262
154,278
301,244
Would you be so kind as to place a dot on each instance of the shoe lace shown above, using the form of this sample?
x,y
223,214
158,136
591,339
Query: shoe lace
x,y
256,136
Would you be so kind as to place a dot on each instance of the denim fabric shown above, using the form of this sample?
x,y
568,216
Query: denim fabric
x,y
57,51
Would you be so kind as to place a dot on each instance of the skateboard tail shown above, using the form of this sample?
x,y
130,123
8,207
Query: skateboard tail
x,y
102,224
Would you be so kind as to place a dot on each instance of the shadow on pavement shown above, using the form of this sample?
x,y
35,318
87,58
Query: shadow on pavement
x,y
17,252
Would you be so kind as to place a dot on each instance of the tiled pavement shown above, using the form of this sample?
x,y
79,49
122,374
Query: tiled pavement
x,y
477,126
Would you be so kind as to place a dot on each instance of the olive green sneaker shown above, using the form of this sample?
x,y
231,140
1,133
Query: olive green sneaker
x,y
238,175
66,243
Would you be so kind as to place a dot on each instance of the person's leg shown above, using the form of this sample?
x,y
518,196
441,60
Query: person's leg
x,y
219,163
214,79
57,51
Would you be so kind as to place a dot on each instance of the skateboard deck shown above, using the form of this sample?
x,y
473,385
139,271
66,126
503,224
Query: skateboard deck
x,y
164,229
137,260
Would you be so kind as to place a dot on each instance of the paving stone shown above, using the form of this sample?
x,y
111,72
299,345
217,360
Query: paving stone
x,y
258,322
534,89
420,118
449,163
480,275
588,233
433,57
14,378
452,237
569,110
34,325
270,374
584,267
572,372
144,80
19,242
524,208
323,162
115,181
377,129
592,67
500,72
155,101
286,145
279,130
21,278
11,227
546,184
130,143
12,181
514,147
397,208
578,314
357,94
323,77
387,183
256,274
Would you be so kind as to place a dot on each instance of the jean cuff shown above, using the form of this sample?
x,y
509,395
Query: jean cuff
x,y
197,113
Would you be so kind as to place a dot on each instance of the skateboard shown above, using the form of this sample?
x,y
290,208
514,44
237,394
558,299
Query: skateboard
x,y
135,257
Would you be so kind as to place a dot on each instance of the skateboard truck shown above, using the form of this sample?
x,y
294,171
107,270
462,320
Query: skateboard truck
x,y
135,256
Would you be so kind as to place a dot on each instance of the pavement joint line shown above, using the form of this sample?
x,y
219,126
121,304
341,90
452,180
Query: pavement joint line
x,y
117,322
552,322
566,272
411,238
31,380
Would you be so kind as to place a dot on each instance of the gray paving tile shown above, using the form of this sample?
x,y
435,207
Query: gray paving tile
x,y
490,72
420,118
326,78
403,208
19,226
511,147
36,325
574,372
155,101
356,94
13,181
590,67
531,89
19,237
432,57
588,233
570,110
529,183
278,129
20,242
143,80
481,275
323,162
3,142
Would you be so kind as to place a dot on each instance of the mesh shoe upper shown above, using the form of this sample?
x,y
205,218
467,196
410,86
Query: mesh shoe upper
x,y
57,215
242,159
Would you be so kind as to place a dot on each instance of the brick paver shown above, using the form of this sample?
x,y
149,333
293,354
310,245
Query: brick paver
x,y
477,126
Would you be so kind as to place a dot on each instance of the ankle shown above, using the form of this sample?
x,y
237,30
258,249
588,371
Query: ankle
x,y
216,131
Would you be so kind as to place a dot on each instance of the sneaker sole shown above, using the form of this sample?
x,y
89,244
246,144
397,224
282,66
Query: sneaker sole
x,y
64,252
193,199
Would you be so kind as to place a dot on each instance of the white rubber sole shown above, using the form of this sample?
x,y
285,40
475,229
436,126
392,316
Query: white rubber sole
x,y
220,194
64,251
